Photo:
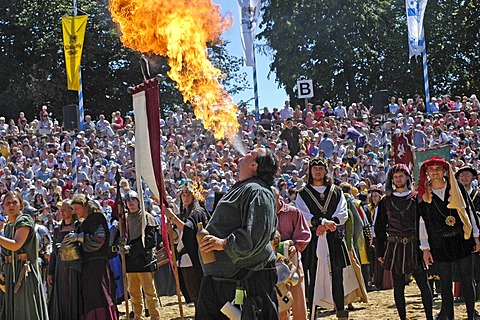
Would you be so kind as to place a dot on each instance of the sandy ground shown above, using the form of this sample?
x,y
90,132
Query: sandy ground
x,y
379,307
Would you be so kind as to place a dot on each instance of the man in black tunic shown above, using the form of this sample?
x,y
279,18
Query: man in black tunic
x,y
446,236
397,242
325,208
466,175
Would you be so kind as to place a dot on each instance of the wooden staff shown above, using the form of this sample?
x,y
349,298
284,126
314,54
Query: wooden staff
x,y
175,269
121,228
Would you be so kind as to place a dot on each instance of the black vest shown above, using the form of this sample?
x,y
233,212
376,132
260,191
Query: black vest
x,y
312,206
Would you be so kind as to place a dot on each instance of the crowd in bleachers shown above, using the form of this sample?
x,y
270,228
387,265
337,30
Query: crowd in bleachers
x,y
47,164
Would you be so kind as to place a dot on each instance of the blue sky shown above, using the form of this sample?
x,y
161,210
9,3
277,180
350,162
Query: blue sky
x,y
269,94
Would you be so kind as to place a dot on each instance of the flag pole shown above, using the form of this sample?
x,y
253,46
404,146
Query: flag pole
x,y
425,76
174,267
249,12
141,114
80,89
255,86
122,230
74,149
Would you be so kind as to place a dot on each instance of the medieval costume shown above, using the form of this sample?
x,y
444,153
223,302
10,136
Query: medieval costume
x,y
191,214
326,255
397,241
382,279
66,297
474,194
447,232
293,226
243,223
354,285
139,260
97,283
24,296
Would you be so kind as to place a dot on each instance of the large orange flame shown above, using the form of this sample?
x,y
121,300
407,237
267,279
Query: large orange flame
x,y
180,30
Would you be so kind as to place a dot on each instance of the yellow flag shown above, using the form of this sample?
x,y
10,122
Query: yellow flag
x,y
73,35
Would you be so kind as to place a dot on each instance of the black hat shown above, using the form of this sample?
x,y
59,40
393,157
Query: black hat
x,y
312,163
466,168
317,162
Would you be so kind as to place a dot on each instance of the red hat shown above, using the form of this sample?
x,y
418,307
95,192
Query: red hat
x,y
433,161
455,197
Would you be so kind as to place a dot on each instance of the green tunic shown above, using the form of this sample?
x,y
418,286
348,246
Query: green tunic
x,y
29,301
246,217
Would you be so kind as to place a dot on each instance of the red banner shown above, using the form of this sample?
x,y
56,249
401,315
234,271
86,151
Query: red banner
x,y
402,149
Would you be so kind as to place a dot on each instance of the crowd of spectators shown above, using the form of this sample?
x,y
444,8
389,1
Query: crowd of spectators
x,y
36,157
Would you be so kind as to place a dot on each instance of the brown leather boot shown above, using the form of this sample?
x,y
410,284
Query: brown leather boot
x,y
342,315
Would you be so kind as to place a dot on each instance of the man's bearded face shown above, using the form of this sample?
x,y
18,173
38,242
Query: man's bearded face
x,y
400,179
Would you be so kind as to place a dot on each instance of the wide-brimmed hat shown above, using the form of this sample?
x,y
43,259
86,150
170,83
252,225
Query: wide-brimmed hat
x,y
466,168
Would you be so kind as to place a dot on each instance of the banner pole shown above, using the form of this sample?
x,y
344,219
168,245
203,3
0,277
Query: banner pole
x,y
425,76
122,229
80,90
255,87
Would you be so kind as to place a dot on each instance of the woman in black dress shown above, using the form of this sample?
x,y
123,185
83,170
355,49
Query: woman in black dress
x,y
97,284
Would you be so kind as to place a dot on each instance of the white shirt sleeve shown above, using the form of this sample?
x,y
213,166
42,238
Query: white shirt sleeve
x,y
302,206
341,212
474,223
423,235
375,212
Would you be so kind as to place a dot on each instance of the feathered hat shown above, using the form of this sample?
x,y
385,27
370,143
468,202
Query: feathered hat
x,y
400,167
455,197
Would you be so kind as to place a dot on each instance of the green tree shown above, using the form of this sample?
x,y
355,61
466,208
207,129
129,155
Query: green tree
x,y
453,46
352,48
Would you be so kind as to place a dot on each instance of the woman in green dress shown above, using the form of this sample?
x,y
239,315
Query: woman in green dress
x,y
24,296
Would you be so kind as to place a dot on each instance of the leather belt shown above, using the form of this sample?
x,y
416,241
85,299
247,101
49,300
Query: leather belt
x,y
21,257
403,240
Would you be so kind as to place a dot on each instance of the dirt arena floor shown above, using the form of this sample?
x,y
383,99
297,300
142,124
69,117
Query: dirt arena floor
x,y
379,307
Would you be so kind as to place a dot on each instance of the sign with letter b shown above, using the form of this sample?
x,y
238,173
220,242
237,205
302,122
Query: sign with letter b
x,y
305,89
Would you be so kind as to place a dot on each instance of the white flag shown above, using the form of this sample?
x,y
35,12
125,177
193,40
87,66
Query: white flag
x,y
249,10
416,35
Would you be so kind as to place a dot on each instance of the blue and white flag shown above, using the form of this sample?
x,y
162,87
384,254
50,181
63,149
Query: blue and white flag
x,y
249,11
416,36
